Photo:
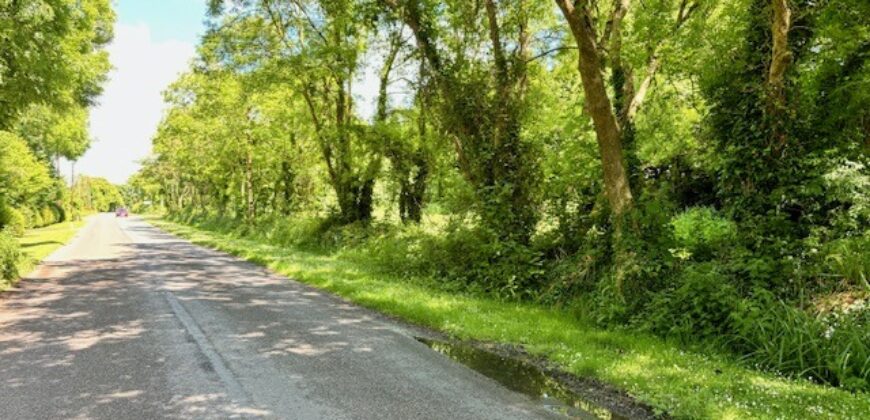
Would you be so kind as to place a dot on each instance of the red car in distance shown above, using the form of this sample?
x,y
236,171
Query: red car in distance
x,y
121,212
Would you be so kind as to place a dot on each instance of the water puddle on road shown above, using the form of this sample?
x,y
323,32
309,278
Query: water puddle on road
x,y
524,378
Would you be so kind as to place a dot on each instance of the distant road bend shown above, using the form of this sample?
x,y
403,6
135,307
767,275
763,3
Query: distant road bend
x,y
130,322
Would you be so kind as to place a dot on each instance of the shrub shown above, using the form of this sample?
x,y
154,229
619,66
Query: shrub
x,y
397,252
34,219
9,256
848,185
701,233
475,260
49,215
296,231
699,305
14,221
27,215
52,214
573,276
462,259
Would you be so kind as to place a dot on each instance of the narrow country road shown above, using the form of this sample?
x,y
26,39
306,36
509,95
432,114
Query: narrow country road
x,y
130,322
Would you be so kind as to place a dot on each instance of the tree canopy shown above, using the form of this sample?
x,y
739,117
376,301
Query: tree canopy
x,y
52,68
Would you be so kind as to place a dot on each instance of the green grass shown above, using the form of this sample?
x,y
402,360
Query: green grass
x,y
37,244
672,379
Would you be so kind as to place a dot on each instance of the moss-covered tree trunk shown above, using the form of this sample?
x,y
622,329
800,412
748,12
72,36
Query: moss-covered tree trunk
x,y
780,58
616,182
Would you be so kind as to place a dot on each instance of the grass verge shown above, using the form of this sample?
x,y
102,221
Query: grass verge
x,y
683,383
38,243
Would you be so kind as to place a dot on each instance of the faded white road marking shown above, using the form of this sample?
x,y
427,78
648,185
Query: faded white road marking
x,y
236,392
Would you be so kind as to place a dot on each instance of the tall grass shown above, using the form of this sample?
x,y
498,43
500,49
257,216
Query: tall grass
x,y
833,348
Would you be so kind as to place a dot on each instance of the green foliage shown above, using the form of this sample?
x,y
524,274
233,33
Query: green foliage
x,y
96,194
848,191
13,221
51,215
9,255
459,260
698,305
28,193
482,147
700,233
51,53
24,180
847,259
274,159
833,348
479,262
52,132
52,66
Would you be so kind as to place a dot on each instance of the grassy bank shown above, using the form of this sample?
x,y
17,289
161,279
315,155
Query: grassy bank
x,y
683,383
37,244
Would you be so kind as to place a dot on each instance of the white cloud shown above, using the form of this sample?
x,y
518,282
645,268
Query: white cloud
x,y
131,105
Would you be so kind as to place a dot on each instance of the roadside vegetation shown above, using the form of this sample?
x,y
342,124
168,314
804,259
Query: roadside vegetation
x,y
695,171
685,381
669,195
659,175
34,246
52,66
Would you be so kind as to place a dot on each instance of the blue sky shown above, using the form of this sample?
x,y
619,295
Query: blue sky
x,y
179,20
154,42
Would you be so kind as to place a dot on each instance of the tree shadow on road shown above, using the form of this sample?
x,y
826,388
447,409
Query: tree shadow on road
x,y
100,338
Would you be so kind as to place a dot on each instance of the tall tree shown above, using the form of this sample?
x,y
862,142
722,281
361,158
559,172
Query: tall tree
x,y
407,150
598,104
780,58
482,101
52,53
313,46
603,50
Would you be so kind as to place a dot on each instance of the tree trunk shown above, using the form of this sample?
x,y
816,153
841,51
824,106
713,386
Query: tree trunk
x,y
402,154
250,209
779,62
608,133
287,179
621,79
617,186
413,192
485,131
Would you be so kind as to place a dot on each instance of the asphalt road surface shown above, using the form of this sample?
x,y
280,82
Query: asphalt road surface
x,y
129,322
